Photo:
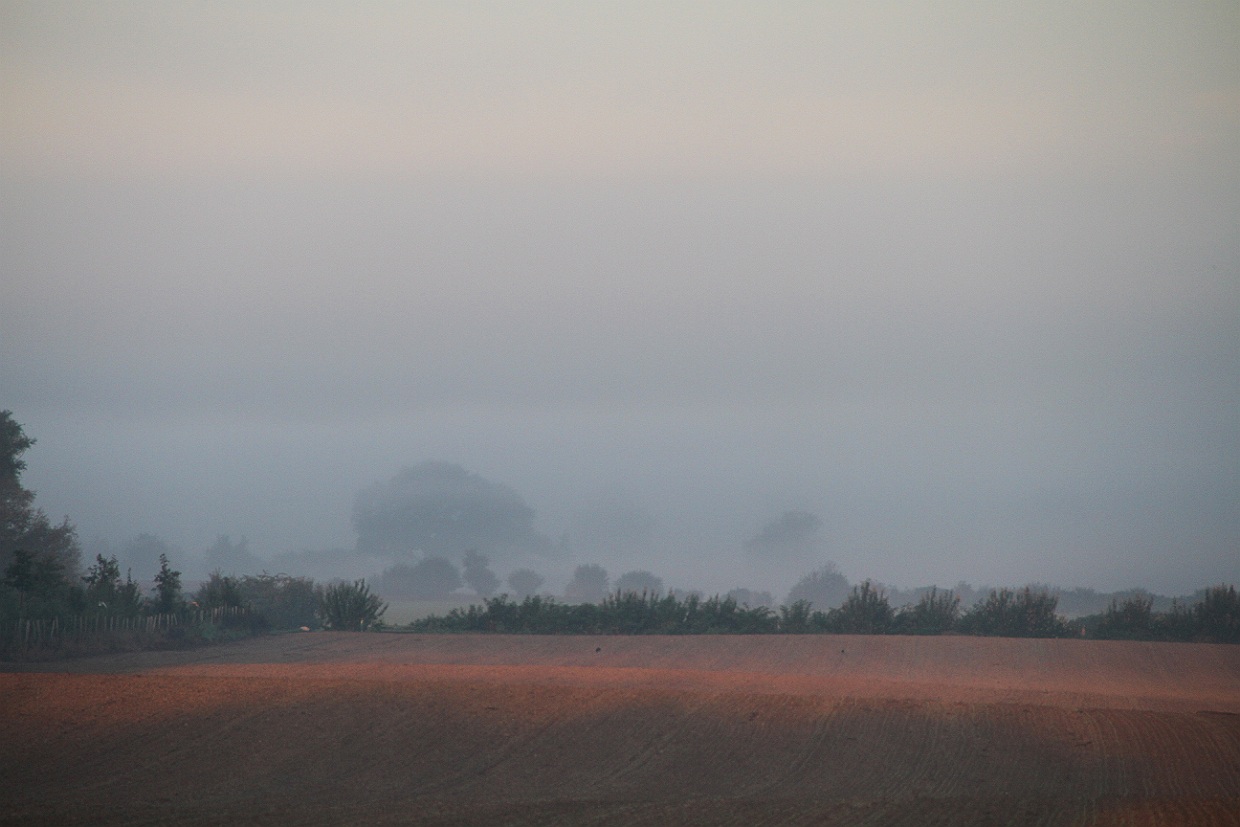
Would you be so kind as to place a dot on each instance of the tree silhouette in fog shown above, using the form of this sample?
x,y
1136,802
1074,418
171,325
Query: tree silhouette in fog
x,y
589,584
793,531
824,588
525,583
639,582
432,577
23,526
440,509
478,575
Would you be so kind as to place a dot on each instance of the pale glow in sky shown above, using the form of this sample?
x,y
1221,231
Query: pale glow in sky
x,y
961,278
569,89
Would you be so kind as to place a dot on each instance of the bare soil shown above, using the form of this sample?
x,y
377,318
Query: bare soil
x,y
333,728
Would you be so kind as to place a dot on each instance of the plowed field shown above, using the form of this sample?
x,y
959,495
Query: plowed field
x,y
329,728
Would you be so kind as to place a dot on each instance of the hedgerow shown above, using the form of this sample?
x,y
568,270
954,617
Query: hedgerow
x,y
1027,612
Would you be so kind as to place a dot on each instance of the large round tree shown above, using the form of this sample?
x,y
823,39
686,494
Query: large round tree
x,y
440,509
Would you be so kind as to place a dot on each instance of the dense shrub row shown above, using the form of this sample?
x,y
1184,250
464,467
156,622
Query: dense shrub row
x,y
107,614
1026,612
622,613
865,611
1215,618
279,601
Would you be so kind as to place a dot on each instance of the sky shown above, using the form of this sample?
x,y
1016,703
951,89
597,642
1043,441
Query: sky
x,y
961,279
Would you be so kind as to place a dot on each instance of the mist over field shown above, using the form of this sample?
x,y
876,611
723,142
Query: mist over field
x,y
961,284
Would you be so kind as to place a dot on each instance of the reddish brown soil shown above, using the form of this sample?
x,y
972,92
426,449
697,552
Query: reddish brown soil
x,y
470,730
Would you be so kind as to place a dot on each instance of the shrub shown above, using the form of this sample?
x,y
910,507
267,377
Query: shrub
x,y
351,607
797,618
1133,619
1217,617
935,612
1008,613
865,612
106,593
35,586
280,601
219,591
619,613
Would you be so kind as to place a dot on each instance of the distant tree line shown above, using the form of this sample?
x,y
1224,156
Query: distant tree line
x,y
254,604
1026,612
39,580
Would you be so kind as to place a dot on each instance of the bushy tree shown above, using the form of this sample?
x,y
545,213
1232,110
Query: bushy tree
x,y
823,588
280,601
1131,619
219,591
429,579
105,592
934,613
37,588
525,583
477,574
866,611
1008,613
167,593
440,509
351,607
1217,616
589,584
799,618
639,582
1177,623
22,525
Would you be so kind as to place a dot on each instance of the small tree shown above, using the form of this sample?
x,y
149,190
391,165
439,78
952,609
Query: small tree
x,y
478,576
1008,613
105,592
936,612
1217,616
35,575
280,601
35,586
865,612
219,591
795,618
167,592
1131,620
525,583
351,607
